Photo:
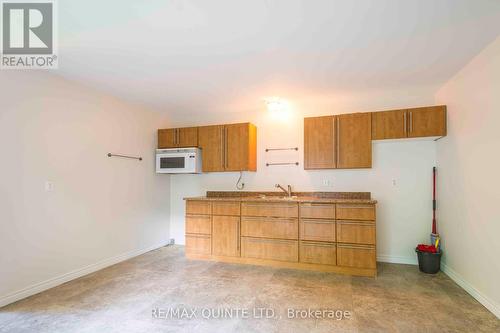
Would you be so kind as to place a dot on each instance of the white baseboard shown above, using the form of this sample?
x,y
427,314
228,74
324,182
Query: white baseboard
x,y
397,259
488,303
51,283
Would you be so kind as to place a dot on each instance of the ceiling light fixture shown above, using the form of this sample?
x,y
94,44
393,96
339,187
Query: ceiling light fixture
x,y
277,105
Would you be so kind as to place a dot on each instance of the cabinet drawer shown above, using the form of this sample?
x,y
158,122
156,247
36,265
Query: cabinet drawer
x,y
198,244
318,211
356,232
269,209
359,256
355,212
274,249
198,207
269,227
226,208
317,230
198,224
318,253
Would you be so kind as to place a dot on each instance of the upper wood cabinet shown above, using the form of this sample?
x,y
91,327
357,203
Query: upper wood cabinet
x,y
427,121
342,142
241,147
354,141
211,141
228,147
389,125
319,143
166,138
409,123
178,137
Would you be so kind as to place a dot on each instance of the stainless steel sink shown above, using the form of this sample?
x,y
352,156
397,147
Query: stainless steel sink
x,y
293,197
275,197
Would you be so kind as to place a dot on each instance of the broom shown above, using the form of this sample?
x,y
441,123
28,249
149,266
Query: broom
x,y
434,234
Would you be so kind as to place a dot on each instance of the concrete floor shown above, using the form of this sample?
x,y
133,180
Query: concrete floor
x,y
121,298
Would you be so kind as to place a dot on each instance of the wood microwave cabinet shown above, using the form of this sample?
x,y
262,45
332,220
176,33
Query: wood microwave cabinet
x,y
338,142
231,147
228,147
178,137
409,123
331,237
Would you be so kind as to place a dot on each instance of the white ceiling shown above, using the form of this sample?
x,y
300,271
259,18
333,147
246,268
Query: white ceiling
x,y
203,55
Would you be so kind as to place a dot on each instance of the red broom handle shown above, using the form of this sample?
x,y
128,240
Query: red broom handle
x,y
434,227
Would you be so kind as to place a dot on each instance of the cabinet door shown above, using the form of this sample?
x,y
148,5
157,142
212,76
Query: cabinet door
x,y
317,211
427,121
269,227
236,147
187,137
356,232
317,230
319,143
198,224
226,236
198,244
354,141
272,249
389,125
318,253
210,140
167,138
360,256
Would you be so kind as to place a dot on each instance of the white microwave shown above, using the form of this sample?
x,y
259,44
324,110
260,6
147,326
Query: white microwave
x,y
178,160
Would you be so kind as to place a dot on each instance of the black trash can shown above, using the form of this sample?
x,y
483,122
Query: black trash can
x,y
428,262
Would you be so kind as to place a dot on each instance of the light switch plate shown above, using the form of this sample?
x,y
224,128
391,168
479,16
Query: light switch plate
x,y
49,186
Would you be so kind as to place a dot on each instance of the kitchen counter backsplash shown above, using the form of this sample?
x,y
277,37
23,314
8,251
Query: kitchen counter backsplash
x,y
322,195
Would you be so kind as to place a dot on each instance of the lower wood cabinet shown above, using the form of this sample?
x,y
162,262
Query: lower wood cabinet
x,y
226,208
198,224
317,210
317,230
332,237
356,232
198,244
269,227
272,249
269,209
200,207
318,253
198,227
355,212
358,256
226,236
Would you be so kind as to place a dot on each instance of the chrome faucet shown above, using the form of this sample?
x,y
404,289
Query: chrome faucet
x,y
287,191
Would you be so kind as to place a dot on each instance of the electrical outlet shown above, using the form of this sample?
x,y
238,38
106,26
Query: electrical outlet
x,y
327,182
49,186
394,183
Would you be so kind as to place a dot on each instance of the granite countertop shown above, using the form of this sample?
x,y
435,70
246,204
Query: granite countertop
x,y
319,197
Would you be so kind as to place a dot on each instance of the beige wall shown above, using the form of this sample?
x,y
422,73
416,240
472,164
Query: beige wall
x,y
469,182
404,211
101,210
